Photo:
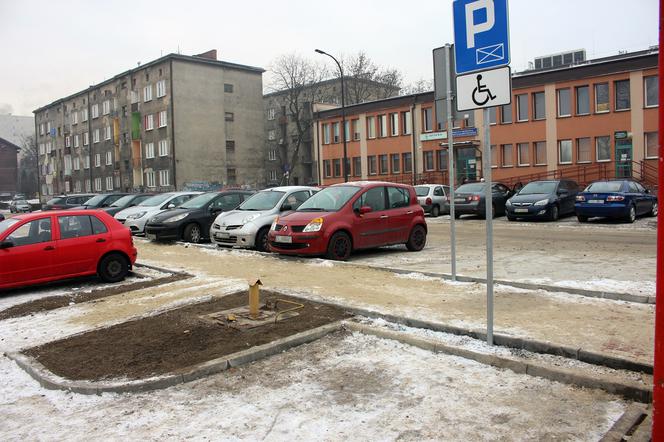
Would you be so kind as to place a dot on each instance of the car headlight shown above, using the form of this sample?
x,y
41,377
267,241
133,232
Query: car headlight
x,y
250,218
508,203
541,203
176,218
136,215
314,225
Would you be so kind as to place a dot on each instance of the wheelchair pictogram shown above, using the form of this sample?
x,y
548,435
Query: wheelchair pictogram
x,y
481,88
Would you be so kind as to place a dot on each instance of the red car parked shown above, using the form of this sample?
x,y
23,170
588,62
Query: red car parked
x,y
350,216
45,246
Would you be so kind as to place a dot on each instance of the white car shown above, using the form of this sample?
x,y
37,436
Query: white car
x,y
136,217
248,225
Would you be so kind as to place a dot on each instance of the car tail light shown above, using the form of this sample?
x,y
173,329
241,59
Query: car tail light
x,y
448,198
615,198
428,201
580,198
475,198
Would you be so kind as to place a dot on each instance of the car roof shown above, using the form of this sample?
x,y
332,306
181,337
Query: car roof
x,y
289,188
70,212
366,184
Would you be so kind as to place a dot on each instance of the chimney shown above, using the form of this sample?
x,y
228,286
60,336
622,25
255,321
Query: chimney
x,y
211,54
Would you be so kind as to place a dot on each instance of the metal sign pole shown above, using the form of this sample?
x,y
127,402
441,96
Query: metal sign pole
x,y
488,211
450,161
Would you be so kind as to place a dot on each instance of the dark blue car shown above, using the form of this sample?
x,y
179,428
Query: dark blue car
x,y
621,198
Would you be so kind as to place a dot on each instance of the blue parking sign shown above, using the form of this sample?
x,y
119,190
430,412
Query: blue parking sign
x,y
481,34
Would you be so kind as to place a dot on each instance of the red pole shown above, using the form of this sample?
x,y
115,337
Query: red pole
x,y
658,378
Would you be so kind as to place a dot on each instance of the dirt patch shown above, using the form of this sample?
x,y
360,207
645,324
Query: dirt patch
x,y
58,301
171,341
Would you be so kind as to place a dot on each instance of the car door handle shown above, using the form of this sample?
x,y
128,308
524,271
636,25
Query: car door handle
x,y
409,212
384,217
101,240
49,248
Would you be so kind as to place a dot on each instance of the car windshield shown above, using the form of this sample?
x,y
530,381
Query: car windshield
x,y
264,200
329,199
21,202
55,201
605,186
471,188
199,201
535,187
95,200
156,200
123,201
6,224
422,190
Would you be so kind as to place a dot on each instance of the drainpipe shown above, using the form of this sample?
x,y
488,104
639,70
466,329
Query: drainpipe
x,y
38,161
172,128
90,143
414,144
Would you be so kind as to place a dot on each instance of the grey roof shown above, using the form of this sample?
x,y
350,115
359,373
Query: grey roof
x,y
5,143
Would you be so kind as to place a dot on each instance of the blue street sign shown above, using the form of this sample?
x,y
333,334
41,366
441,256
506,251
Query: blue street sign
x,y
470,132
481,34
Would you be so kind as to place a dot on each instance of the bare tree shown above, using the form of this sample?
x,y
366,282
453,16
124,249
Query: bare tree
x,y
418,87
367,81
29,164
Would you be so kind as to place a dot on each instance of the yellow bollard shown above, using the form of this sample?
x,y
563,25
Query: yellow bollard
x,y
254,297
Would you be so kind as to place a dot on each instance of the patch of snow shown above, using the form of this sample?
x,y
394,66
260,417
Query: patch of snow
x,y
418,277
638,288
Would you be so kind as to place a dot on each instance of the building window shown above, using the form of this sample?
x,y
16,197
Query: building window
x,y
506,113
84,115
228,88
149,179
117,181
163,117
651,89
161,88
229,116
371,127
603,148
602,97
357,166
109,183
77,186
622,94
506,151
407,162
442,159
107,133
95,136
355,124
494,156
565,151
163,148
583,150
230,145
74,117
327,169
337,167
539,108
383,166
492,115
149,150
86,163
164,178
271,134
564,109
67,186
347,130
326,133
77,163
97,160
372,165
427,119
134,95
523,154
270,114
428,160
231,176
651,144
406,126
147,93
394,124
88,186
396,166
148,122
582,100
522,107
335,132
95,111
67,141
109,158
382,126
98,184
106,107
273,175
272,155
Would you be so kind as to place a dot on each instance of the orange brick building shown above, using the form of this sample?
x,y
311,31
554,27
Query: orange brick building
x,y
587,121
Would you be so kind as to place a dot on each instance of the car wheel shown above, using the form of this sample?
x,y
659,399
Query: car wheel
x,y
339,247
582,219
113,268
192,233
417,239
261,240
654,210
553,213
435,211
631,215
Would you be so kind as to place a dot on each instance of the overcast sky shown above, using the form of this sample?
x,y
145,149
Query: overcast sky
x,y
51,49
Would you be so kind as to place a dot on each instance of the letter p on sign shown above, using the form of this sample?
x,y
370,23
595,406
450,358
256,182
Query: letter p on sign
x,y
473,28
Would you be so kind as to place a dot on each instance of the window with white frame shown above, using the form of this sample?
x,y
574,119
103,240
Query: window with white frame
x,y
394,124
601,97
522,107
147,93
74,117
76,140
149,179
564,103
148,122
371,161
355,126
603,148
651,144
622,97
326,133
270,114
335,132
271,134
86,163
88,187
42,148
406,127
106,107
583,154
273,174
161,88
382,126
506,151
48,147
523,154
395,163
95,111
164,178
77,163
539,107
67,141
494,156
109,183
149,150
42,129
86,138
651,90
117,181
109,158
95,136
163,148
48,128
428,160
84,115
68,164
67,186
272,155
134,97
107,133
371,127
77,186
98,187
427,119
97,160
347,130
582,100
565,151
163,119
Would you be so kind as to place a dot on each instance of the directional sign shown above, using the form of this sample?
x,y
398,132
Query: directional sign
x,y
484,89
481,34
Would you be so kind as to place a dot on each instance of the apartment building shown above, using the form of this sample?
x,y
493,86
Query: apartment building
x,y
596,119
174,123
8,168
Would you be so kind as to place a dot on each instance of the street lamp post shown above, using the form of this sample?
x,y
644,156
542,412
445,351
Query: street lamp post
x,y
343,113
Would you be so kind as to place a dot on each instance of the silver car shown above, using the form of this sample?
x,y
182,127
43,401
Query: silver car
x,y
136,217
433,198
248,225
19,206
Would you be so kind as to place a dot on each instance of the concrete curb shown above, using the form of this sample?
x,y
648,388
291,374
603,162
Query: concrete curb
x,y
51,381
628,390
635,416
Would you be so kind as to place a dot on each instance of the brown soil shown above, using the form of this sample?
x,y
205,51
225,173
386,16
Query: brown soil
x,y
171,341
55,302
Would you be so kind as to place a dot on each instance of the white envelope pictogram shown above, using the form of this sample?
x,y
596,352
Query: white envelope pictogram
x,y
490,54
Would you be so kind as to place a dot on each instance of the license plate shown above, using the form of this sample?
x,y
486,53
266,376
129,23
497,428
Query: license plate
x,y
284,239
221,235
596,201
151,236
521,210
459,200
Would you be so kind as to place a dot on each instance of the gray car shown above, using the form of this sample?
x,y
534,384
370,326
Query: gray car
x,y
433,198
249,224
19,206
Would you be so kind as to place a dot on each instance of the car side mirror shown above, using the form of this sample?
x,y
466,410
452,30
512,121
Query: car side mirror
x,y
6,244
647,190
364,209
286,207
171,206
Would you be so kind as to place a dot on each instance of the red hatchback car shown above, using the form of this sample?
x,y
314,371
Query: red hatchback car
x,y
350,216
45,246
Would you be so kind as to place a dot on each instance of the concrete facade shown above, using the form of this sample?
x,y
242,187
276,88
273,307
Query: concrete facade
x,y
8,167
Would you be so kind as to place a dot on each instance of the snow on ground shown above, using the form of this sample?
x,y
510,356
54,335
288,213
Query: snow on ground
x,y
352,387
639,288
